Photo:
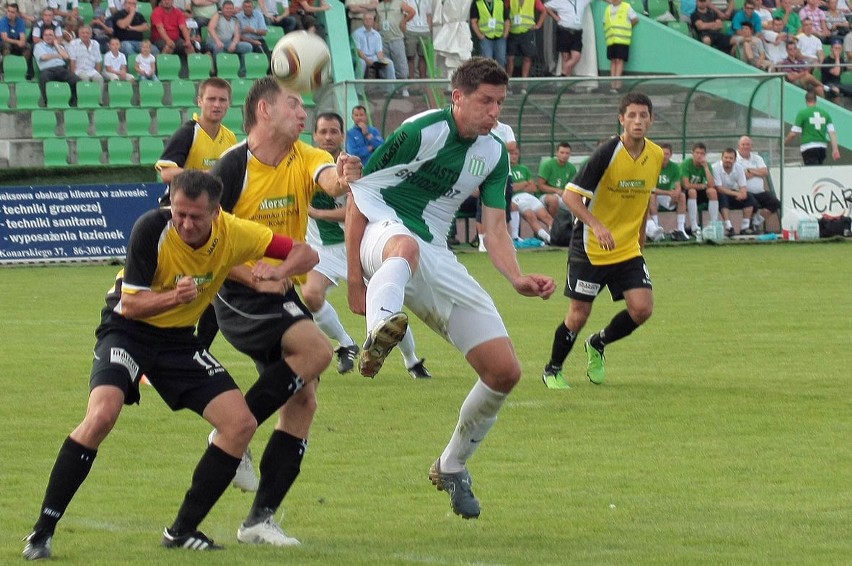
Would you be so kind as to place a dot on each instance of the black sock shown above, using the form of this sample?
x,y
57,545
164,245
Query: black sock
x,y
620,326
279,467
69,472
210,479
563,341
276,384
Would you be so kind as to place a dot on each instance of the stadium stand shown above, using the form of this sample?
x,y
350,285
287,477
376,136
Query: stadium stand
x,y
200,66
89,151
239,91
168,67
138,122
227,66
151,94
14,69
150,150
58,94
257,65
55,152
183,94
43,124
120,94
168,120
119,151
106,122
5,96
76,123
89,94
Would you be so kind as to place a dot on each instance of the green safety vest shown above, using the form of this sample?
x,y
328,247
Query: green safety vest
x,y
497,15
523,17
618,29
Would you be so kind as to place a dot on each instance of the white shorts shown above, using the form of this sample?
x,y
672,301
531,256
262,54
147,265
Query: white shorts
x,y
665,202
562,205
526,201
441,292
332,262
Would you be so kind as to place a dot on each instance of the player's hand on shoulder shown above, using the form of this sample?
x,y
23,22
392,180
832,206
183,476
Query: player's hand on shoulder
x,y
535,285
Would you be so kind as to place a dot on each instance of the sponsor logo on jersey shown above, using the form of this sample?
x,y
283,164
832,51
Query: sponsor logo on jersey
x,y
476,166
281,202
631,183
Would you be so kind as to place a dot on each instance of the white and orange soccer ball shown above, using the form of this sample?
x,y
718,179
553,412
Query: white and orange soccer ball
x,y
301,61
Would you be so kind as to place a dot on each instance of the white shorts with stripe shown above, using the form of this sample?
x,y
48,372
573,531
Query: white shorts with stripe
x,y
332,262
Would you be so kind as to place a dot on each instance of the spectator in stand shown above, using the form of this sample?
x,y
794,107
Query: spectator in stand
x,y
812,11
115,63
757,177
62,8
786,12
619,21
419,27
747,14
708,27
305,11
115,5
47,21
687,8
276,17
835,19
750,49
362,139
831,76
724,8
730,180
816,128
697,179
71,24
668,196
203,11
521,38
775,43
371,51
146,63
764,13
568,15
553,175
53,60
102,30
253,27
394,15
798,71
13,37
489,22
223,35
810,45
85,55
355,10
129,27
525,198
170,33
29,11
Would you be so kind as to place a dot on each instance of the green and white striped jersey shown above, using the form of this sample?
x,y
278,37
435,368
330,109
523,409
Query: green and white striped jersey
x,y
425,170
323,233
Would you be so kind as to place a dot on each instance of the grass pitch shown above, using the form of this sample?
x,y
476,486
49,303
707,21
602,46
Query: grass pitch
x,y
720,436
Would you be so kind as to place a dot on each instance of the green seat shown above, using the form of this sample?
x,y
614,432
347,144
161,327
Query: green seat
x,y
119,151
89,151
58,95
131,64
89,94
239,91
257,65
183,94
120,94
15,69
234,120
76,123
145,9
27,96
227,66
5,96
168,67
168,120
151,94
138,122
150,150
657,8
682,27
43,124
106,122
273,34
55,151
200,66
87,12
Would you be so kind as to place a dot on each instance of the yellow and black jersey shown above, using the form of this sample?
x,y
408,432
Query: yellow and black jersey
x,y
192,148
617,189
274,196
157,259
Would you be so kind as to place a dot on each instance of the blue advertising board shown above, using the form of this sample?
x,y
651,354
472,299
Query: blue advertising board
x,y
71,222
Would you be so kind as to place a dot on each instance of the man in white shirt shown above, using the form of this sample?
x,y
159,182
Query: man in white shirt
x,y
757,176
371,53
85,55
730,180
810,46
775,42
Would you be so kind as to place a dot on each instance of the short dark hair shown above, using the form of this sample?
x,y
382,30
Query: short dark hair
x,y
810,96
194,183
666,145
699,145
476,71
729,150
564,144
329,116
214,82
747,25
13,5
265,88
359,107
638,98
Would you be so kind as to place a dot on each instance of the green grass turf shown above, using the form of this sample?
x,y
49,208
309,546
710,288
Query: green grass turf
x,y
720,436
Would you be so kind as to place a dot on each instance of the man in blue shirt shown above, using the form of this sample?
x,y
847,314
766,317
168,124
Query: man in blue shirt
x,y
747,14
13,36
253,27
362,139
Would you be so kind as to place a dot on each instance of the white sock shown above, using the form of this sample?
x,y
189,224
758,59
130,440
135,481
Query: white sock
x,y
387,290
713,209
745,223
757,219
681,222
650,228
329,322
543,235
692,207
406,348
656,219
515,224
477,415
728,224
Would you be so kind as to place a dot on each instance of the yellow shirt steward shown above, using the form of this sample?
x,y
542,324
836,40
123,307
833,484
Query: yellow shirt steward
x,y
617,188
521,15
618,28
494,15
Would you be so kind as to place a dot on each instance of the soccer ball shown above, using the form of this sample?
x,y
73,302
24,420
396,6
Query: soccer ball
x,y
300,61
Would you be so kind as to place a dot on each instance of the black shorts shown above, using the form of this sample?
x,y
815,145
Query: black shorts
x,y
521,44
732,203
701,196
814,156
767,200
585,281
255,322
618,51
568,40
184,374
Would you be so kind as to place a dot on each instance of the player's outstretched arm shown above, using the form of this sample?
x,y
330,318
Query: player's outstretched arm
x,y
335,180
145,304
354,230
